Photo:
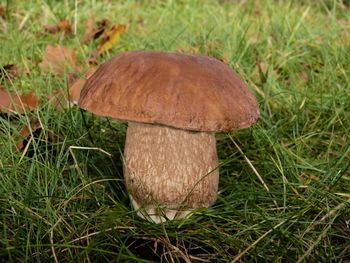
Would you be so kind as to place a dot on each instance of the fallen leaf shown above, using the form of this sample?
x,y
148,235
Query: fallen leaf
x,y
91,32
9,72
59,99
63,25
45,142
89,27
263,68
74,91
75,88
93,58
111,37
25,132
14,103
57,58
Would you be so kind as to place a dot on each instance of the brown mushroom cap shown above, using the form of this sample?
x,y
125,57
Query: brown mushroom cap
x,y
192,92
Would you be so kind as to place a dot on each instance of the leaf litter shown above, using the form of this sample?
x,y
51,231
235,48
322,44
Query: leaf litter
x,y
63,25
92,32
11,102
9,72
111,37
57,60
61,100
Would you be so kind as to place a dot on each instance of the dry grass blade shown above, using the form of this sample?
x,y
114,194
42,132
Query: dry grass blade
x,y
240,255
26,131
52,246
104,231
253,168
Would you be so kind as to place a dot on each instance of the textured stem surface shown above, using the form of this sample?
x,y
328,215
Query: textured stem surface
x,y
171,168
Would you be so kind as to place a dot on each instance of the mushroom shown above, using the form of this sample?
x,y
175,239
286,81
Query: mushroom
x,y
173,104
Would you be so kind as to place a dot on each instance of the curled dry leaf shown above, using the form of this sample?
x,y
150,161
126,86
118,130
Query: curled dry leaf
x,y
9,72
63,25
59,99
14,103
111,37
57,58
93,58
26,131
92,32
263,70
33,131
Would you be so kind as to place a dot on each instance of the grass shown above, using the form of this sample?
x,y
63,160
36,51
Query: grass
x,y
56,206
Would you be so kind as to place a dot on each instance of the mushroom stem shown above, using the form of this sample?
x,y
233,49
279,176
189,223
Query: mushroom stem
x,y
168,171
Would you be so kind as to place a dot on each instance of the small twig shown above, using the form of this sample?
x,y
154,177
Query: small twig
x,y
177,250
199,259
253,168
75,161
256,242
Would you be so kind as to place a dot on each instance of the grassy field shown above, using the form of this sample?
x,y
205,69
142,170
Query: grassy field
x,y
56,206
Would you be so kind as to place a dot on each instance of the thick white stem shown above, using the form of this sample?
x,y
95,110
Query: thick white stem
x,y
169,172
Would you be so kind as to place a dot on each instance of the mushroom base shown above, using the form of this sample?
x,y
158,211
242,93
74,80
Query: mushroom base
x,y
169,172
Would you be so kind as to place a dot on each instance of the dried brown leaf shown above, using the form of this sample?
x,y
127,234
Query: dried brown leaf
x,y
93,58
57,58
59,99
111,37
74,91
11,102
10,72
26,131
63,25
263,67
91,32
75,88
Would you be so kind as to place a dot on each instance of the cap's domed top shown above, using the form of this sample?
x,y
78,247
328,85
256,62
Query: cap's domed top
x,y
192,92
